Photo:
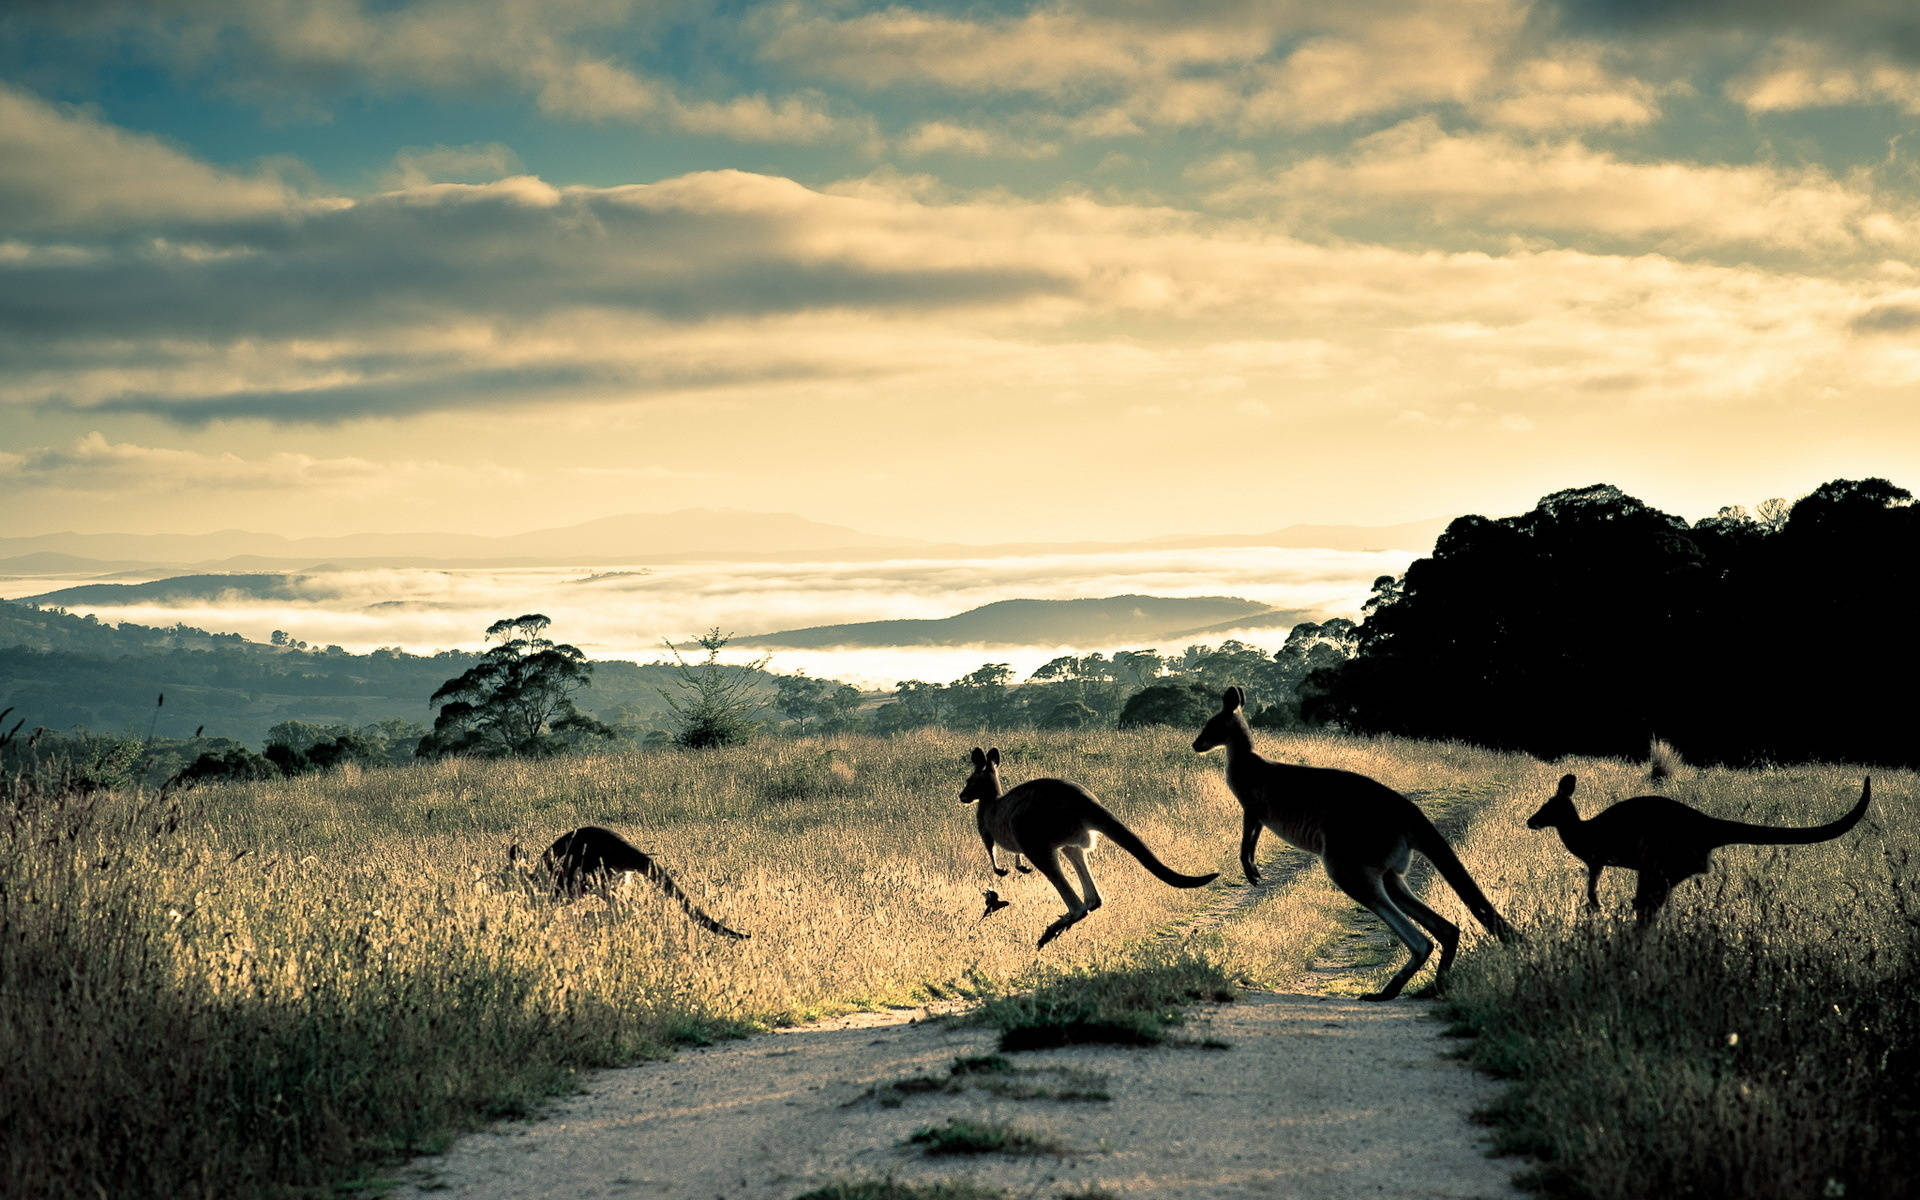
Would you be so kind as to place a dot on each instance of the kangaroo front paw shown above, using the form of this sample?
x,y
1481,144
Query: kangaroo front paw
x,y
999,870
1024,869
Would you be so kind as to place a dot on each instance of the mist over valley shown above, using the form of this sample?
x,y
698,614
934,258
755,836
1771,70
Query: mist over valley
x,y
854,613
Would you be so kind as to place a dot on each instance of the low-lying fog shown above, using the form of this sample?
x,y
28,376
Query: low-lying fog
x,y
626,613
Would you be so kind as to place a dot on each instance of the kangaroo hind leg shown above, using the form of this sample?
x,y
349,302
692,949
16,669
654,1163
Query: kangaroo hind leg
x,y
1444,931
1366,885
1651,892
1090,893
1047,862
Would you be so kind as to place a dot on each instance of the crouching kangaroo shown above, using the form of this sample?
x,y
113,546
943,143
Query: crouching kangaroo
x,y
1045,819
1665,840
586,859
1363,831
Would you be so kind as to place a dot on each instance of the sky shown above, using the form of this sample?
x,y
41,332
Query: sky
x,y
978,272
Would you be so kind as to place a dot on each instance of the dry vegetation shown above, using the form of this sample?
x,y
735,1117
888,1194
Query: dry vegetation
x,y
267,988
1761,1040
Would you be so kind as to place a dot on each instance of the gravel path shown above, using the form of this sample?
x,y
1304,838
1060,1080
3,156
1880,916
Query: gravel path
x,y
1314,1096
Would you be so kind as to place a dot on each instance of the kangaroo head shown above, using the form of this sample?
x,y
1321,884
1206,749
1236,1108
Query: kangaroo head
x,y
984,783
1559,809
1225,726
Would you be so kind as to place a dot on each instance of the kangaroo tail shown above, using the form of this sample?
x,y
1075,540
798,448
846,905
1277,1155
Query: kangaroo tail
x,y
656,873
1110,826
1429,841
1739,832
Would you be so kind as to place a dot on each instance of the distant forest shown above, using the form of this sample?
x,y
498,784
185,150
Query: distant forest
x,y
65,671
99,683
1595,623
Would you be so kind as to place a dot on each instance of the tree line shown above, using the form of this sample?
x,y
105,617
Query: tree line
x,y
1595,623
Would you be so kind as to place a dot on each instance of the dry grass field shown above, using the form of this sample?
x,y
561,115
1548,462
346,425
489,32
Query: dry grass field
x,y
269,988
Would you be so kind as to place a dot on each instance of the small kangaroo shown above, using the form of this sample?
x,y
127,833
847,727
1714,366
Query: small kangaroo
x,y
1046,818
586,859
1363,831
1665,840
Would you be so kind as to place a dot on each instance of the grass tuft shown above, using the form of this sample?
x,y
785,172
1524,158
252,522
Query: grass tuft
x,y
961,1136
1128,1007
893,1189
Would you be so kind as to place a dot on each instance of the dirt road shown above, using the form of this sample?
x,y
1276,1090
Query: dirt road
x,y
1312,1096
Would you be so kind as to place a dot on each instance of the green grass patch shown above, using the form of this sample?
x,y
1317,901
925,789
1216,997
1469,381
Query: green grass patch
x,y
1130,1007
960,1136
893,1189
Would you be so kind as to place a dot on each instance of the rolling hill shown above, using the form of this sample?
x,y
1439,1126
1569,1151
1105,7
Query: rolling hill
x,y
1112,620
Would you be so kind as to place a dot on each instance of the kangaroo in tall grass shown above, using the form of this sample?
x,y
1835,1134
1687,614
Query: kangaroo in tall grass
x,y
1046,819
1665,840
1363,831
586,859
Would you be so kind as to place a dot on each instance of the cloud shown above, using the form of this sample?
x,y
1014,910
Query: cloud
x,y
973,141
1501,185
1118,70
1888,26
1568,89
691,248
416,166
1796,73
94,463
63,170
294,55
1888,317
758,290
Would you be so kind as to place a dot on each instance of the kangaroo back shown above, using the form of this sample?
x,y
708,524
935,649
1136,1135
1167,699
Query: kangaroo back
x,y
1110,827
1429,841
580,856
1728,833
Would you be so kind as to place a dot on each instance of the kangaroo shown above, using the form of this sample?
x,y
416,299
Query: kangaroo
x,y
585,860
1363,831
1045,819
1665,840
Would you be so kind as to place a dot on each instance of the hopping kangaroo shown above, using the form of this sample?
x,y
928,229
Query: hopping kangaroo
x,y
1665,840
586,859
1045,819
1363,831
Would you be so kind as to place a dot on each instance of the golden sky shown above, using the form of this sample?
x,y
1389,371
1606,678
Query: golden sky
x,y
979,272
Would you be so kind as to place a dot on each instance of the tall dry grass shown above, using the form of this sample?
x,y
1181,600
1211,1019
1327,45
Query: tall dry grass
x,y
263,989
257,988
1762,1039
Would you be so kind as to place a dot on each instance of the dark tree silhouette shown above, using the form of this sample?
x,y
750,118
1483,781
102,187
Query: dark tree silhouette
x,y
1595,623
517,700
1179,704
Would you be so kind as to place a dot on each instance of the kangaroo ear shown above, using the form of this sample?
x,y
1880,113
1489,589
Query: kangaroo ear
x,y
979,757
1566,786
1232,699
993,756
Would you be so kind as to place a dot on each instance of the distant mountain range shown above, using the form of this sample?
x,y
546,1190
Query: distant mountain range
x,y
690,534
1113,620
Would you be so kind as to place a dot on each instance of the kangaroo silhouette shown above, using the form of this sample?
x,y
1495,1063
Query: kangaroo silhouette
x,y
1664,840
1363,831
586,859
1045,819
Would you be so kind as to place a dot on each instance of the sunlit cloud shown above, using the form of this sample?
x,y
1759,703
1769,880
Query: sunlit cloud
x,y
93,464
1501,185
64,171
